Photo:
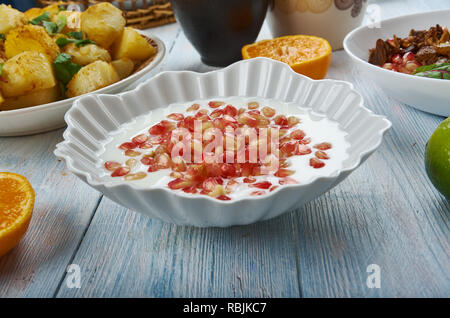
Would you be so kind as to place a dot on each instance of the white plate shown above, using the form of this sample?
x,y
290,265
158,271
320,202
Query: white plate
x,y
427,94
94,119
46,117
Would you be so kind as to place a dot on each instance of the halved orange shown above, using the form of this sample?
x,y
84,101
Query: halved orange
x,y
16,207
306,54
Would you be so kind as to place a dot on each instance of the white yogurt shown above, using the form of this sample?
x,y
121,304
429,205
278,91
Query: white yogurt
x,y
317,127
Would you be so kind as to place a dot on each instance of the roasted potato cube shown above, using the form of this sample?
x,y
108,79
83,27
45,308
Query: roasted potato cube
x,y
53,10
133,46
10,18
73,20
26,72
92,77
124,67
30,38
87,54
102,23
39,97
1,99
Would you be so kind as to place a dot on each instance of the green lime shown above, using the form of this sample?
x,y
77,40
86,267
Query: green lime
x,y
437,158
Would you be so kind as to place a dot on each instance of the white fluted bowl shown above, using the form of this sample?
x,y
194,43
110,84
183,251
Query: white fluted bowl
x,y
93,118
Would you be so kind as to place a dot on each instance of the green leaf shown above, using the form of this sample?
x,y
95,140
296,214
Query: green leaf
x,y
64,41
2,37
50,27
62,21
40,19
1,67
75,35
61,8
438,71
64,68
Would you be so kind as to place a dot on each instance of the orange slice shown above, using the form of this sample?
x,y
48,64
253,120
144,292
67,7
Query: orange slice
x,y
306,54
16,207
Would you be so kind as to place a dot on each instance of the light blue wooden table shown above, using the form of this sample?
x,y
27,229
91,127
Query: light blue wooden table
x,y
386,213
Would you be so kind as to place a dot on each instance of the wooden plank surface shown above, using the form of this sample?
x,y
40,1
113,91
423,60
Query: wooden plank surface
x,y
386,213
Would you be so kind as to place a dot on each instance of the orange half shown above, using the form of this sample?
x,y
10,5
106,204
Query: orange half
x,y
306,54
16,207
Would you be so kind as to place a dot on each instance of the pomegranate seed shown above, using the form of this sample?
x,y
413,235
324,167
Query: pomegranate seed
x,y
157,129
120,172
231,186
261,185
227,170
253,105
273,188
179,184
128,145
131,162
156,140
259,192
397,59
249,180
246,119
145,145
229,118
163,161
152,168
223,197
215,104
321,154
147,161
288,147
287,180
178,164
323,146
191,189
230,110
176,116
316,163
305,141
217,113
111,165
132,153
282,173
409,56
176,175
254,113
193,108
292,121
241,111
297,134
135,176
268,111
302,150
281,120
139,139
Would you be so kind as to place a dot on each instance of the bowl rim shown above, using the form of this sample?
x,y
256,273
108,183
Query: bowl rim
x,y
60,153
129,80
349,38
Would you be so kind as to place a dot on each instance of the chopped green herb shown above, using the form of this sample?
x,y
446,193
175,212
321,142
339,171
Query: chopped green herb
x,y
2,37
75,35
64,68
79,43
1,66
40,19
438,71
61,8
52,27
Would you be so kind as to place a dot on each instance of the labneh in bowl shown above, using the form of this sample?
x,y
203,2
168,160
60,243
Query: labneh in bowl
x,y
94,120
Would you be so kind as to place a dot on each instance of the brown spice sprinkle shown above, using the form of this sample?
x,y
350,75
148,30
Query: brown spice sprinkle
x,y
429,46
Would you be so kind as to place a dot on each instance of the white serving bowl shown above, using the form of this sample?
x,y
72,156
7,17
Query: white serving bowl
x,y
46,117
94,118
427,94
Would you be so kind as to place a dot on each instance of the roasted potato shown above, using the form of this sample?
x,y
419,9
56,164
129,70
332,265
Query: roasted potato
x,y
133,46
33,13
30,38
92,77
39,97
53,10
102,23
26,72
1,100
73,20
124,67
10,18
87,54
